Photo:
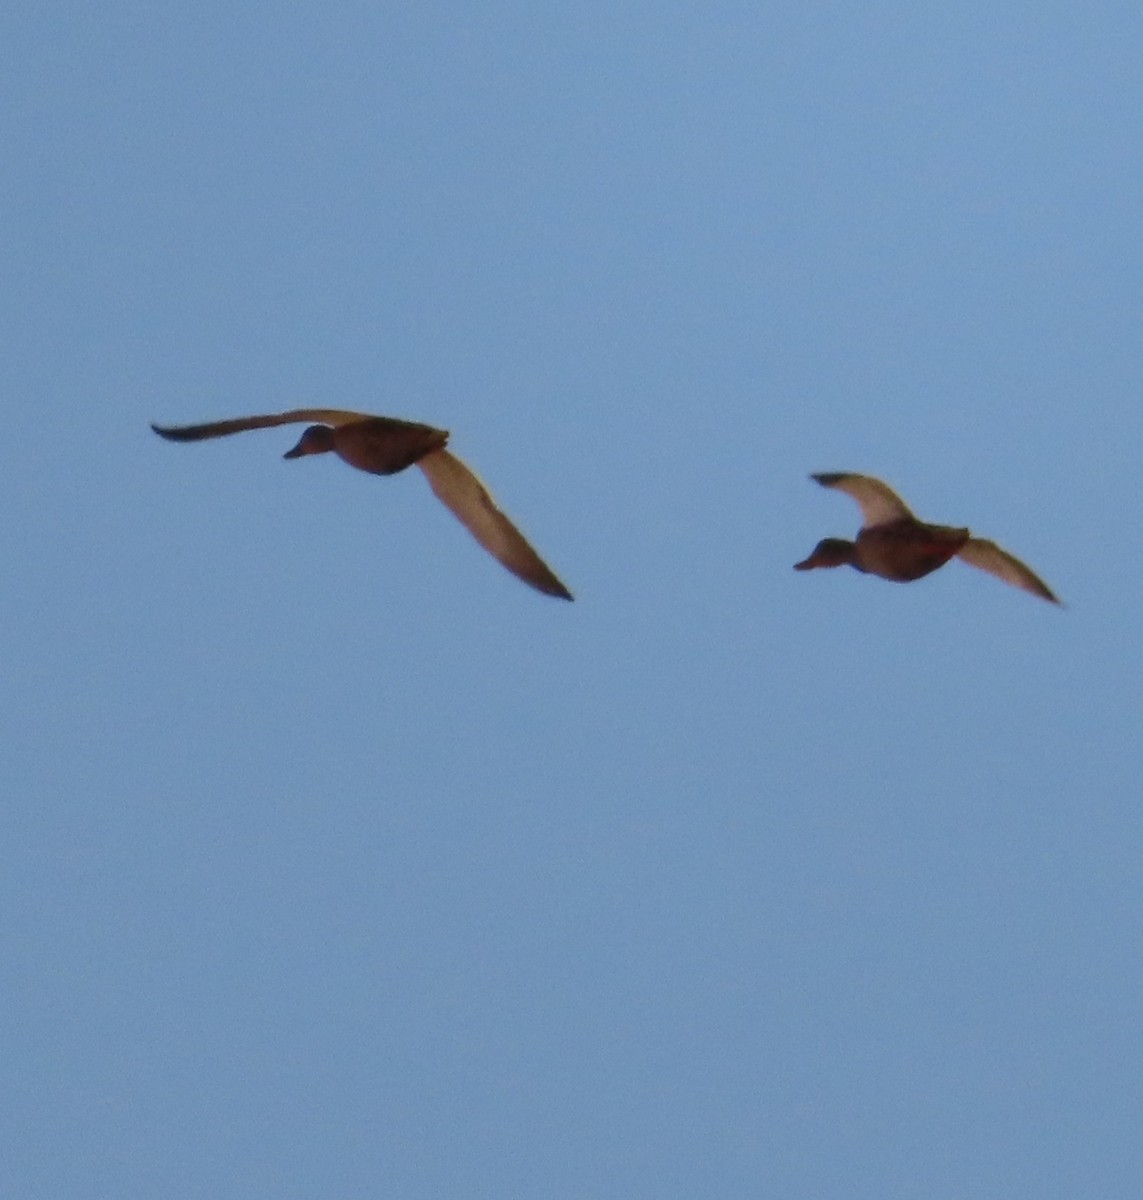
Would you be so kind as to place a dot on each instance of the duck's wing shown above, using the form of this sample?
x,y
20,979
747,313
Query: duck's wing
x,y
460,489
213,429
988,556
879,503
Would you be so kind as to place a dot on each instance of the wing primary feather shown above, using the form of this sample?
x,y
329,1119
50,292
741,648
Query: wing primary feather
x,y
879,503
460,490
213,429
988,556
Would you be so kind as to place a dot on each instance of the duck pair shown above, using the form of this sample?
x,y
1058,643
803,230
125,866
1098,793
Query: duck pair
x,y
892,543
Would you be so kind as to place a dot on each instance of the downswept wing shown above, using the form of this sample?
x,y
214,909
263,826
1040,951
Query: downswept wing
x,y
988,556
213,429
458,488
879,503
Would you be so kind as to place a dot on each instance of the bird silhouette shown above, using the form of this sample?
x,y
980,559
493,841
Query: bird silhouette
x,y
895,545
386,445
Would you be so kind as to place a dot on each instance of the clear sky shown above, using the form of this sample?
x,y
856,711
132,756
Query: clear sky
x,y
338,863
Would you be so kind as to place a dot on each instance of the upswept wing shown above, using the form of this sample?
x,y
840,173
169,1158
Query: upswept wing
x,y
457,487
879,503
988,556
213,429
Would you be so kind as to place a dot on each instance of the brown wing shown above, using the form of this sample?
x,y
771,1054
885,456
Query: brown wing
x,y
213,429
988,556
879,503
458,488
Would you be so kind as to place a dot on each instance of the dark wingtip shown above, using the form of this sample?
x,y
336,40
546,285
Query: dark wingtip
x,y
828,478
175,433
553,587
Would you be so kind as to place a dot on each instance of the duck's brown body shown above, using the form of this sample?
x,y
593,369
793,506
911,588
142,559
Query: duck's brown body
x,y
894,545
385,446
905,550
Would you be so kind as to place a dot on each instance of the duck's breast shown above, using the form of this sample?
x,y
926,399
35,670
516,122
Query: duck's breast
x,y
385,445
906,550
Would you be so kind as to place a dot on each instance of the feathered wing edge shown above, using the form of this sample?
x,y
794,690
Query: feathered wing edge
x,y
213,429
878,501
988,556
460,490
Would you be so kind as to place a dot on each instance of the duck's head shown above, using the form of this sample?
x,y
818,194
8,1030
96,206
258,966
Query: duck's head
x,y
317,439
829,552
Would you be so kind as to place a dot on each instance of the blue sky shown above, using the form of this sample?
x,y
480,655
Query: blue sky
x,y
336,862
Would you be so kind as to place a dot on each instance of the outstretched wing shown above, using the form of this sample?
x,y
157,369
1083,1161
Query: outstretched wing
x,y
988,556
879,503
213,429
458,488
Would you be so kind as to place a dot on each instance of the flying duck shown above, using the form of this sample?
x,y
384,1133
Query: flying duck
x,y
384,446
894,544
